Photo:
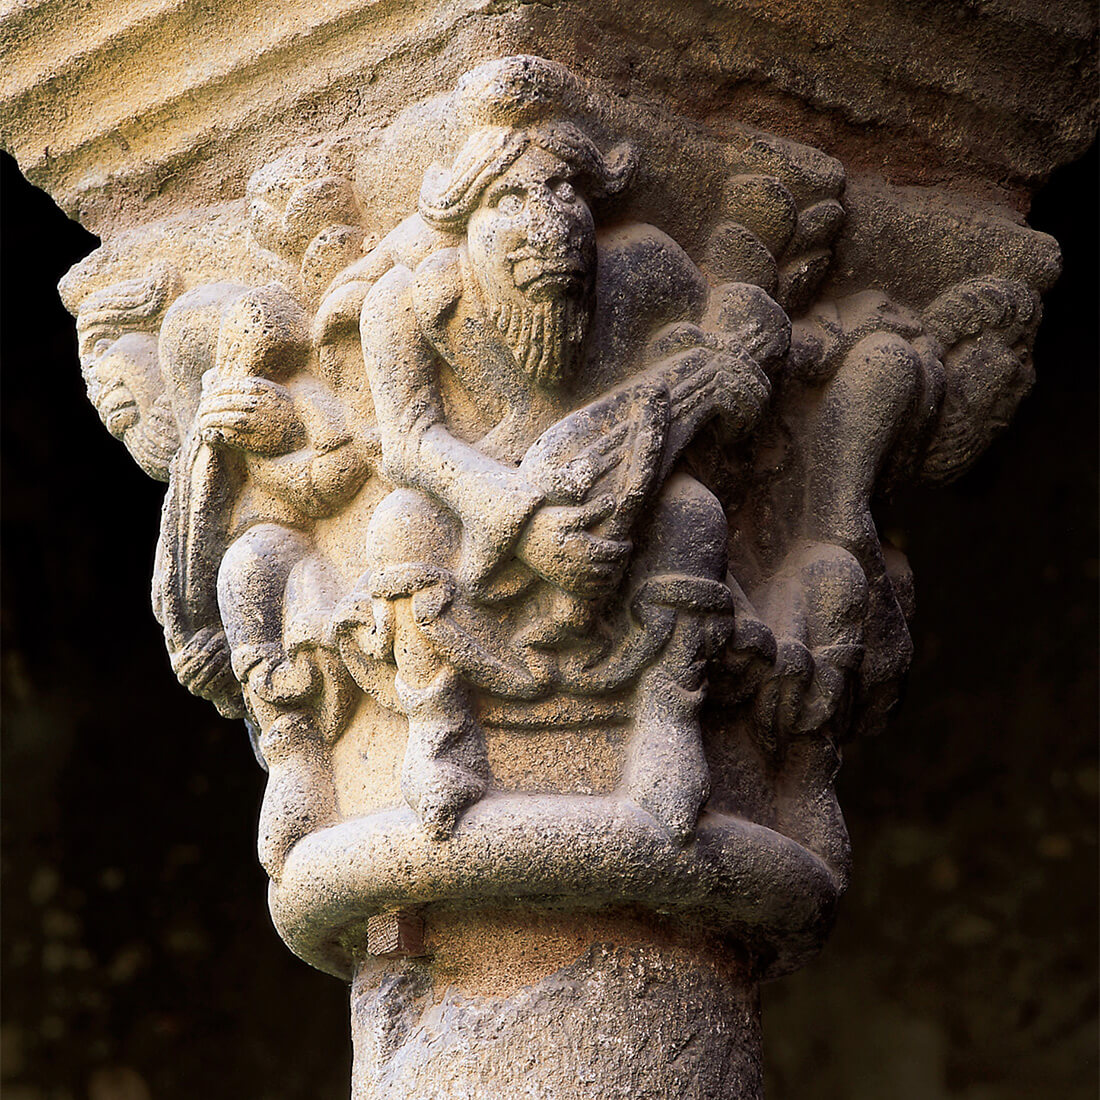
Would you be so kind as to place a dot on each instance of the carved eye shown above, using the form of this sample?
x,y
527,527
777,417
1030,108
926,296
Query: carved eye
x,y
510,204
100,347
565,191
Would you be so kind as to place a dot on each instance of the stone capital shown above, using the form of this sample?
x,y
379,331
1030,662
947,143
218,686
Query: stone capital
x,y
523,380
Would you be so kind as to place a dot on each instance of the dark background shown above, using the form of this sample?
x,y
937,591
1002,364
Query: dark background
x,y
138,958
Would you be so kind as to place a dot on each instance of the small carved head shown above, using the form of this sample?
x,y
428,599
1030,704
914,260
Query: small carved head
x,y
117,333
303,192
125,385
985,328
523,194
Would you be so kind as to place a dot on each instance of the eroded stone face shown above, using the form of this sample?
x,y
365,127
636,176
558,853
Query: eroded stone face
x,y
530,529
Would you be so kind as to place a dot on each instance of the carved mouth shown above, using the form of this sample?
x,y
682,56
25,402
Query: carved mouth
x,y
117,409
529,270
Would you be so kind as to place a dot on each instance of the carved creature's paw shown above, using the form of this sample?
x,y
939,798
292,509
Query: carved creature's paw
x,y
286,681
439,792
669,777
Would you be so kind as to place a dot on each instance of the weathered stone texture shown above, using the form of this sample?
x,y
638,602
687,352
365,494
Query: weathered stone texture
x,y
641,1022
170,104
522,441
937,978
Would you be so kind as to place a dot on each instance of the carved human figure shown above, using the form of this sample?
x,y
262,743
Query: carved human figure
x,y
266,449
535,381
272,451
143,349
873,395
117,330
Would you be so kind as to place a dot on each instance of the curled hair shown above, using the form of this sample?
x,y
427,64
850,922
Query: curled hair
x,y
447,199
130,305
130,300
977,305
982,326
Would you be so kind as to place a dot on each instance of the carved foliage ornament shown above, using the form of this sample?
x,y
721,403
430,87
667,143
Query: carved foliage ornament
x,y
466,508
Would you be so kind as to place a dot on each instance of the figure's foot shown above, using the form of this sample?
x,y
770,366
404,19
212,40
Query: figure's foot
x,y
439,792
668,775
445,767
284,681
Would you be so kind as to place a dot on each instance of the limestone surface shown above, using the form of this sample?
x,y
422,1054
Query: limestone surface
x,y
141,108
521,449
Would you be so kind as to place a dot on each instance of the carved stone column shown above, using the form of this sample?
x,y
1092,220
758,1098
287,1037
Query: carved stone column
x,y
523,379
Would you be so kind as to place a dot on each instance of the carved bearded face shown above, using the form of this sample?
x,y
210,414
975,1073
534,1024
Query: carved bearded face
x,y
532,247
124,384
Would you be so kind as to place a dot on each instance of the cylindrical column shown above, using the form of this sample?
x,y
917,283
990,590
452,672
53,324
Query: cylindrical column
x,y
520,1003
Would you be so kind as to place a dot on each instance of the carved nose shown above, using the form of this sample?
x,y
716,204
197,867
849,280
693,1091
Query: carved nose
x,y
547,224
96,378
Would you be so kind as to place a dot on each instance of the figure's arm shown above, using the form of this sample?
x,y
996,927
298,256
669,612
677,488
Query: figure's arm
x,y
299,444
406,244
492,500
709,377
705,351
322,476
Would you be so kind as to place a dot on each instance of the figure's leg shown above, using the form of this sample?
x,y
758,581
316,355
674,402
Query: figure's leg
x,y
412,539
445,767
252,581
280,689
871,408
666,770
300,796
312,591
683,564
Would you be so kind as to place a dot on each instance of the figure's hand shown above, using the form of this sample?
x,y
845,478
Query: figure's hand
x,y
557,546
705,381
250,414
571,482
202,664
682,336
782,695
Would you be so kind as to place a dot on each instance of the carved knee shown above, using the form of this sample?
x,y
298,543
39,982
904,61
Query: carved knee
x,y
411,527
884,373
252,581
688,533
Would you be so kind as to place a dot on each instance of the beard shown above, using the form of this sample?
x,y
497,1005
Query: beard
x,y
544,334
154,440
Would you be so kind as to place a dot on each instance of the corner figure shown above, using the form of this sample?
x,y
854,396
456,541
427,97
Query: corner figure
x,y
211,391
873,395
273,450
